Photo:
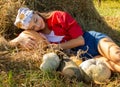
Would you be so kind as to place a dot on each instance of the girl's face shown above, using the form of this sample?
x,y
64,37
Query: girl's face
x,y
37,23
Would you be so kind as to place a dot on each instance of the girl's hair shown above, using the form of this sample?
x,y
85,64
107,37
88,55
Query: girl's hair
x,y
45,15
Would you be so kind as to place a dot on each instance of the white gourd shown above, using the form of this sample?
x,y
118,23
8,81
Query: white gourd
x,y
50,62
97,70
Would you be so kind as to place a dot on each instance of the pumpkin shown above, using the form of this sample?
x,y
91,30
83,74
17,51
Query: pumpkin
x,y
70,70
97,70
50,62
40,39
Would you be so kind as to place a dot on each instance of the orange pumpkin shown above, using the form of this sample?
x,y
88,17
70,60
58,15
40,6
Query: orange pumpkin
x,y
39,38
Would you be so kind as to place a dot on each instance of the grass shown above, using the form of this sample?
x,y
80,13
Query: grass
x,y
26,73
110,10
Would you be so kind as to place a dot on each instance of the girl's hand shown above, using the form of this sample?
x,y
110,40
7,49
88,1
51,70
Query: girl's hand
x,y
27,42
24,40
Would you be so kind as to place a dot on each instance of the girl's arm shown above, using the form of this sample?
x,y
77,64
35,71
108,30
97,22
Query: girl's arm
x,y
72,43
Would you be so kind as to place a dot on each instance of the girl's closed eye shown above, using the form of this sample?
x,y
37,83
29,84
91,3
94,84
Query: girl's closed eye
x,y
32,27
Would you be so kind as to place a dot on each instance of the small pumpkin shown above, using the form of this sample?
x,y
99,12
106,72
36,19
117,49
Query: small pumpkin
x,y
97,70
50,62
70,69
40,39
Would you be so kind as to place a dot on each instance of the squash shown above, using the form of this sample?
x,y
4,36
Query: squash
x,y
50,62
40,39
97,70
70,70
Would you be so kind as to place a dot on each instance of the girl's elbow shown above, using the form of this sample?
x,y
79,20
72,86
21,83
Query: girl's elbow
x,y
82,40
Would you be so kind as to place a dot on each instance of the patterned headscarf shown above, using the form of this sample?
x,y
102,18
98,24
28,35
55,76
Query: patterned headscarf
x,y
23,18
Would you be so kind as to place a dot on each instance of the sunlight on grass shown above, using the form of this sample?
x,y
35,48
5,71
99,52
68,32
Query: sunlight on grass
x,y
108,8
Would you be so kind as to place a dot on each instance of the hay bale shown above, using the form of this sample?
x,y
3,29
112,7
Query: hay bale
x,y
8,11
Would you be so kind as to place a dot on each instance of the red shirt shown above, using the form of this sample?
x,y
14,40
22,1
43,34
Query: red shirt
x,y
62,24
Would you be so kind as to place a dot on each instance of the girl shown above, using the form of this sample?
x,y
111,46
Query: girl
x,y
60,28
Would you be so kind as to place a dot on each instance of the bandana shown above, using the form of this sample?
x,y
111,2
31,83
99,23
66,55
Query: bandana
x,y
23,18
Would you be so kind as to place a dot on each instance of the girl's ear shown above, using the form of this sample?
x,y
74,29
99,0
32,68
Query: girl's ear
x,y
34,12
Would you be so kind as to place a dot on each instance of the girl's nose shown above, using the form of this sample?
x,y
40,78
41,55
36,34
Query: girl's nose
x,y
37,27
